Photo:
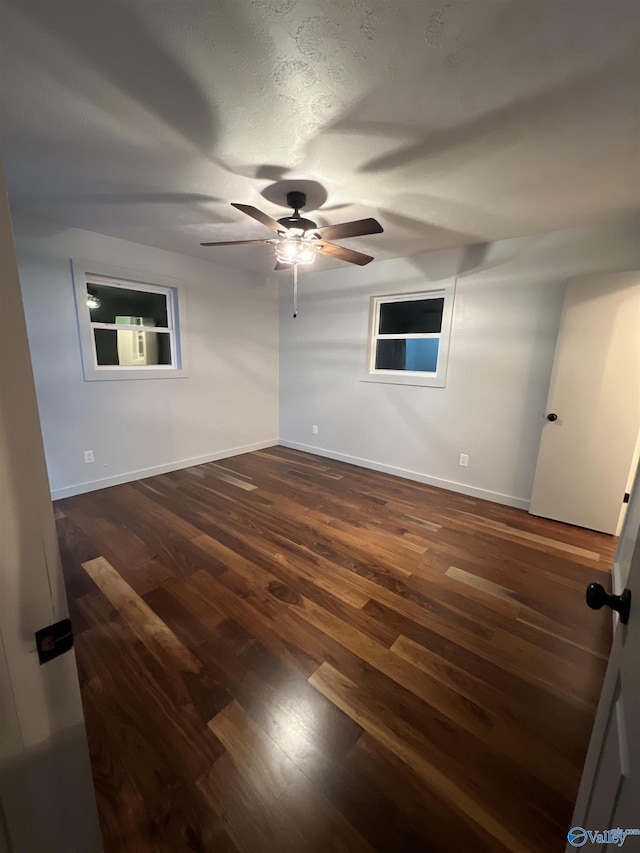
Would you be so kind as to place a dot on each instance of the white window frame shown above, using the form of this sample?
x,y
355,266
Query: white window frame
x,y
435,379
86,273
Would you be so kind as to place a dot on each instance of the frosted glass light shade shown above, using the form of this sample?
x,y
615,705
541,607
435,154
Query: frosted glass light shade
x,y
296,250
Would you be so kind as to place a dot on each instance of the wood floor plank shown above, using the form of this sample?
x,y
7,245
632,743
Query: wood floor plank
x,y
507,531
552,628
524,593
462,711
161,642
296,584
282,652
315,571
504,735
406,817
343,692
554,718
482,584
263,624
252,823
275,777
329,535
254,752
75,549
161,746
235,481
506,784
275,696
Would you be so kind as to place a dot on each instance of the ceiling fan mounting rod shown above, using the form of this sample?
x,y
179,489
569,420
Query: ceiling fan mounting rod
x,y
297,200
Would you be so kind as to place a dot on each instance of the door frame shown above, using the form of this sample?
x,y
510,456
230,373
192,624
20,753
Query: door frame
x,y
46,789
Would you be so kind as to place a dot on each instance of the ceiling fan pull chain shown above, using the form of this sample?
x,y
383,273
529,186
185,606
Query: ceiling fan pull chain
x,y
295,291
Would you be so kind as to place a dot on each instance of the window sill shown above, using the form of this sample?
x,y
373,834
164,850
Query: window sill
x,y
411,379
92,374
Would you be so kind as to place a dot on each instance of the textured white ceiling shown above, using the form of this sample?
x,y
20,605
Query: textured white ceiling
x,y
452,121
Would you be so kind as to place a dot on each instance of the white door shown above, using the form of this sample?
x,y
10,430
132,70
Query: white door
x,y
46,793
609,795
586,451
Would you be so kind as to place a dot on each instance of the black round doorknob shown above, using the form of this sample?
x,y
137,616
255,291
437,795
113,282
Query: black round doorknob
x,y
598,597
552,416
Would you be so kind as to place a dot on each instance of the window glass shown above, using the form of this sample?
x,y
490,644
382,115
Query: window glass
x,y
415,354
126,347
111,304
411,317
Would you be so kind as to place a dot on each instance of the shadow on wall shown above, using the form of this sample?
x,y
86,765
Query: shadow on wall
x,y
417,273
498,126
434,237
191,208
468,260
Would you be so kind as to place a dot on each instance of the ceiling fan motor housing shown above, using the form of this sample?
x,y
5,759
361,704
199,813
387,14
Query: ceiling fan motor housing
x,y
297,222
297,201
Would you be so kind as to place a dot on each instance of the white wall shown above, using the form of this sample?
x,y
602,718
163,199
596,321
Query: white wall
x,y
506,318
227,404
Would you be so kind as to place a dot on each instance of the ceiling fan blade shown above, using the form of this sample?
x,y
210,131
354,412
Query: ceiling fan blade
x,y
236,242
254,213
280,266
357,228
343,254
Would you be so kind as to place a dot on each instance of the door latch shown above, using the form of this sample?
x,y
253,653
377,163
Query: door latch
x,y
54,640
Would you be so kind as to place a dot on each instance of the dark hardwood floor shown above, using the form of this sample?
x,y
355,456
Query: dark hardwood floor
x,y
284,653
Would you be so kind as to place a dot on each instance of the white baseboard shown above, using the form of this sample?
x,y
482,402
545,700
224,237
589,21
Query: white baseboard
x,y
142,473
462,488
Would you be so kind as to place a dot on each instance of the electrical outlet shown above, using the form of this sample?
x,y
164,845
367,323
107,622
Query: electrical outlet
x,y
464,460
88,456
314,429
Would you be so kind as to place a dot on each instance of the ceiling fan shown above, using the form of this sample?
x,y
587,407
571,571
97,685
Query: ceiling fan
x,y
299,240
